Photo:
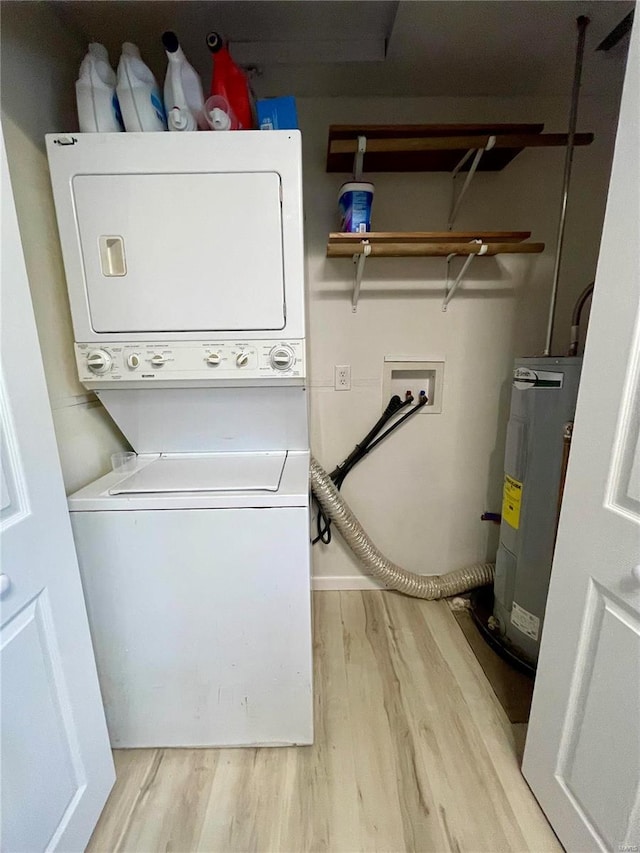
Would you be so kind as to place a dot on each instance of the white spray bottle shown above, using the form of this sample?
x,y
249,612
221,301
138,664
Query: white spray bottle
x,y
98,108
183,97
138,93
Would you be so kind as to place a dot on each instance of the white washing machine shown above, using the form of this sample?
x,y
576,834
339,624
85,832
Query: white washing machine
x,y
184,262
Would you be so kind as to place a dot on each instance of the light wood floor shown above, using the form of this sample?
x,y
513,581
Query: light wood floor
x,y
412,753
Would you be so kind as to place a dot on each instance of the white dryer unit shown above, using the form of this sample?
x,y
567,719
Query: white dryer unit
x,y
181,237
184,263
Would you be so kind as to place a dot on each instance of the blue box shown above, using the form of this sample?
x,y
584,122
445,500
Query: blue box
x,y
277,113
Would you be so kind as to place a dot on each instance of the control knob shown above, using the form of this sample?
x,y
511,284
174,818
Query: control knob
x,y
213,359
158,360
242,359
281,357
133,361
99,361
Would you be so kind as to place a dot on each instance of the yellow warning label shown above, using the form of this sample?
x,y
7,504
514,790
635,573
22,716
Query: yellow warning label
x,y
511,501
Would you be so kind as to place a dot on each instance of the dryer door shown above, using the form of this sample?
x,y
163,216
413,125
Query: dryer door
x,y
182,252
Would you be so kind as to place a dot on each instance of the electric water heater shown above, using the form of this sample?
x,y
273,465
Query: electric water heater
x,y
543,403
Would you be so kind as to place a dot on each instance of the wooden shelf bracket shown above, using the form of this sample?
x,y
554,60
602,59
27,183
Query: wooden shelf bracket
x,y
450,289
359,260
456,201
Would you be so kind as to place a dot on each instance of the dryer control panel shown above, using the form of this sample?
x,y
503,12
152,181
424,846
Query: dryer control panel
x,y
214,362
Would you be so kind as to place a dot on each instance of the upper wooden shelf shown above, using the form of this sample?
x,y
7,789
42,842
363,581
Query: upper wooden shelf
x,y
436,147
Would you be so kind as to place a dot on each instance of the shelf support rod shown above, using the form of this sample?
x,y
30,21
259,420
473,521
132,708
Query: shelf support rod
x,y
582,23
456,202
358,158
450,289
359,260
463,161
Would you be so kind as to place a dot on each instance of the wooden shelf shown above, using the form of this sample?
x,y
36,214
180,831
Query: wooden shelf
x,y
437,147
424,244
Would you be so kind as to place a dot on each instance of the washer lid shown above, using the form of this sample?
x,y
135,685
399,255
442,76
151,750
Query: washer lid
x,y
215,472
293,491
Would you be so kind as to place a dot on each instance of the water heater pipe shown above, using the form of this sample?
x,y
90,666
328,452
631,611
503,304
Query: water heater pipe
x,y
582,23
575,318
382,569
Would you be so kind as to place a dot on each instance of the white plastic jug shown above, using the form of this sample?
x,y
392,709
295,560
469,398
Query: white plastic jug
x,y
98,108
183,97
138,93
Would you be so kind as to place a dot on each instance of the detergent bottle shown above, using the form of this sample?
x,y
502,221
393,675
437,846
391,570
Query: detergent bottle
x,y
98,108
183,96
229,82
138,93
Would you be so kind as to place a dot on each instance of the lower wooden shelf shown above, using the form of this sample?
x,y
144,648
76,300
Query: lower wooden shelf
x,y
427,244
389,244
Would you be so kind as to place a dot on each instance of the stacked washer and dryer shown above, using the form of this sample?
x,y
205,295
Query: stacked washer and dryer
x,y
184,262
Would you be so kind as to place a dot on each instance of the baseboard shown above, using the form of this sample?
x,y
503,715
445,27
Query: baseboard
x,y
345,582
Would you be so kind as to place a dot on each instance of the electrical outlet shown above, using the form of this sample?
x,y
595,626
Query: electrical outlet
x,y
342,380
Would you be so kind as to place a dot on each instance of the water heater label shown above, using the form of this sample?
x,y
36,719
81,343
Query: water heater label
x,y
511,501
525,378
524,621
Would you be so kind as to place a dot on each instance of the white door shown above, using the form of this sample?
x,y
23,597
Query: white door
x,y
582,757
182,252
57,768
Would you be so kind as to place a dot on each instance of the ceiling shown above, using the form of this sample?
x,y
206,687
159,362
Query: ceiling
x,y
433,47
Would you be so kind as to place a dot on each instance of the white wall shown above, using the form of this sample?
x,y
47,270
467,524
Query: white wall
x,y
421,494
39,65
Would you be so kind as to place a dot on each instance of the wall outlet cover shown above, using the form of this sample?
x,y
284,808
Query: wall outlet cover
x,y
342,377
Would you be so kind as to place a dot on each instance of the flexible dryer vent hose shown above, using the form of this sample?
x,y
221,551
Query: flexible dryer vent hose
x,y
382,569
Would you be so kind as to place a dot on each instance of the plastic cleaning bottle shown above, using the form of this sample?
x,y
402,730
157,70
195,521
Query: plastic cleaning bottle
x,y
183,96
98,108
229,82
138,93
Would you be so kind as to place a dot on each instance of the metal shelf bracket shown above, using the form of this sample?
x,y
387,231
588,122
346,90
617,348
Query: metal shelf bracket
x,y
456,201
358,158
359,260
450,289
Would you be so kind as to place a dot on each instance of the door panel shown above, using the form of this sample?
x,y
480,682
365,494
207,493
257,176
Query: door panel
x,y
139,250
611,632
29,764
624,494
14,494
56,762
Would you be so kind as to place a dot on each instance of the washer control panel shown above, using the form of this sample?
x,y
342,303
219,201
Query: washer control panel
x,y
190,360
